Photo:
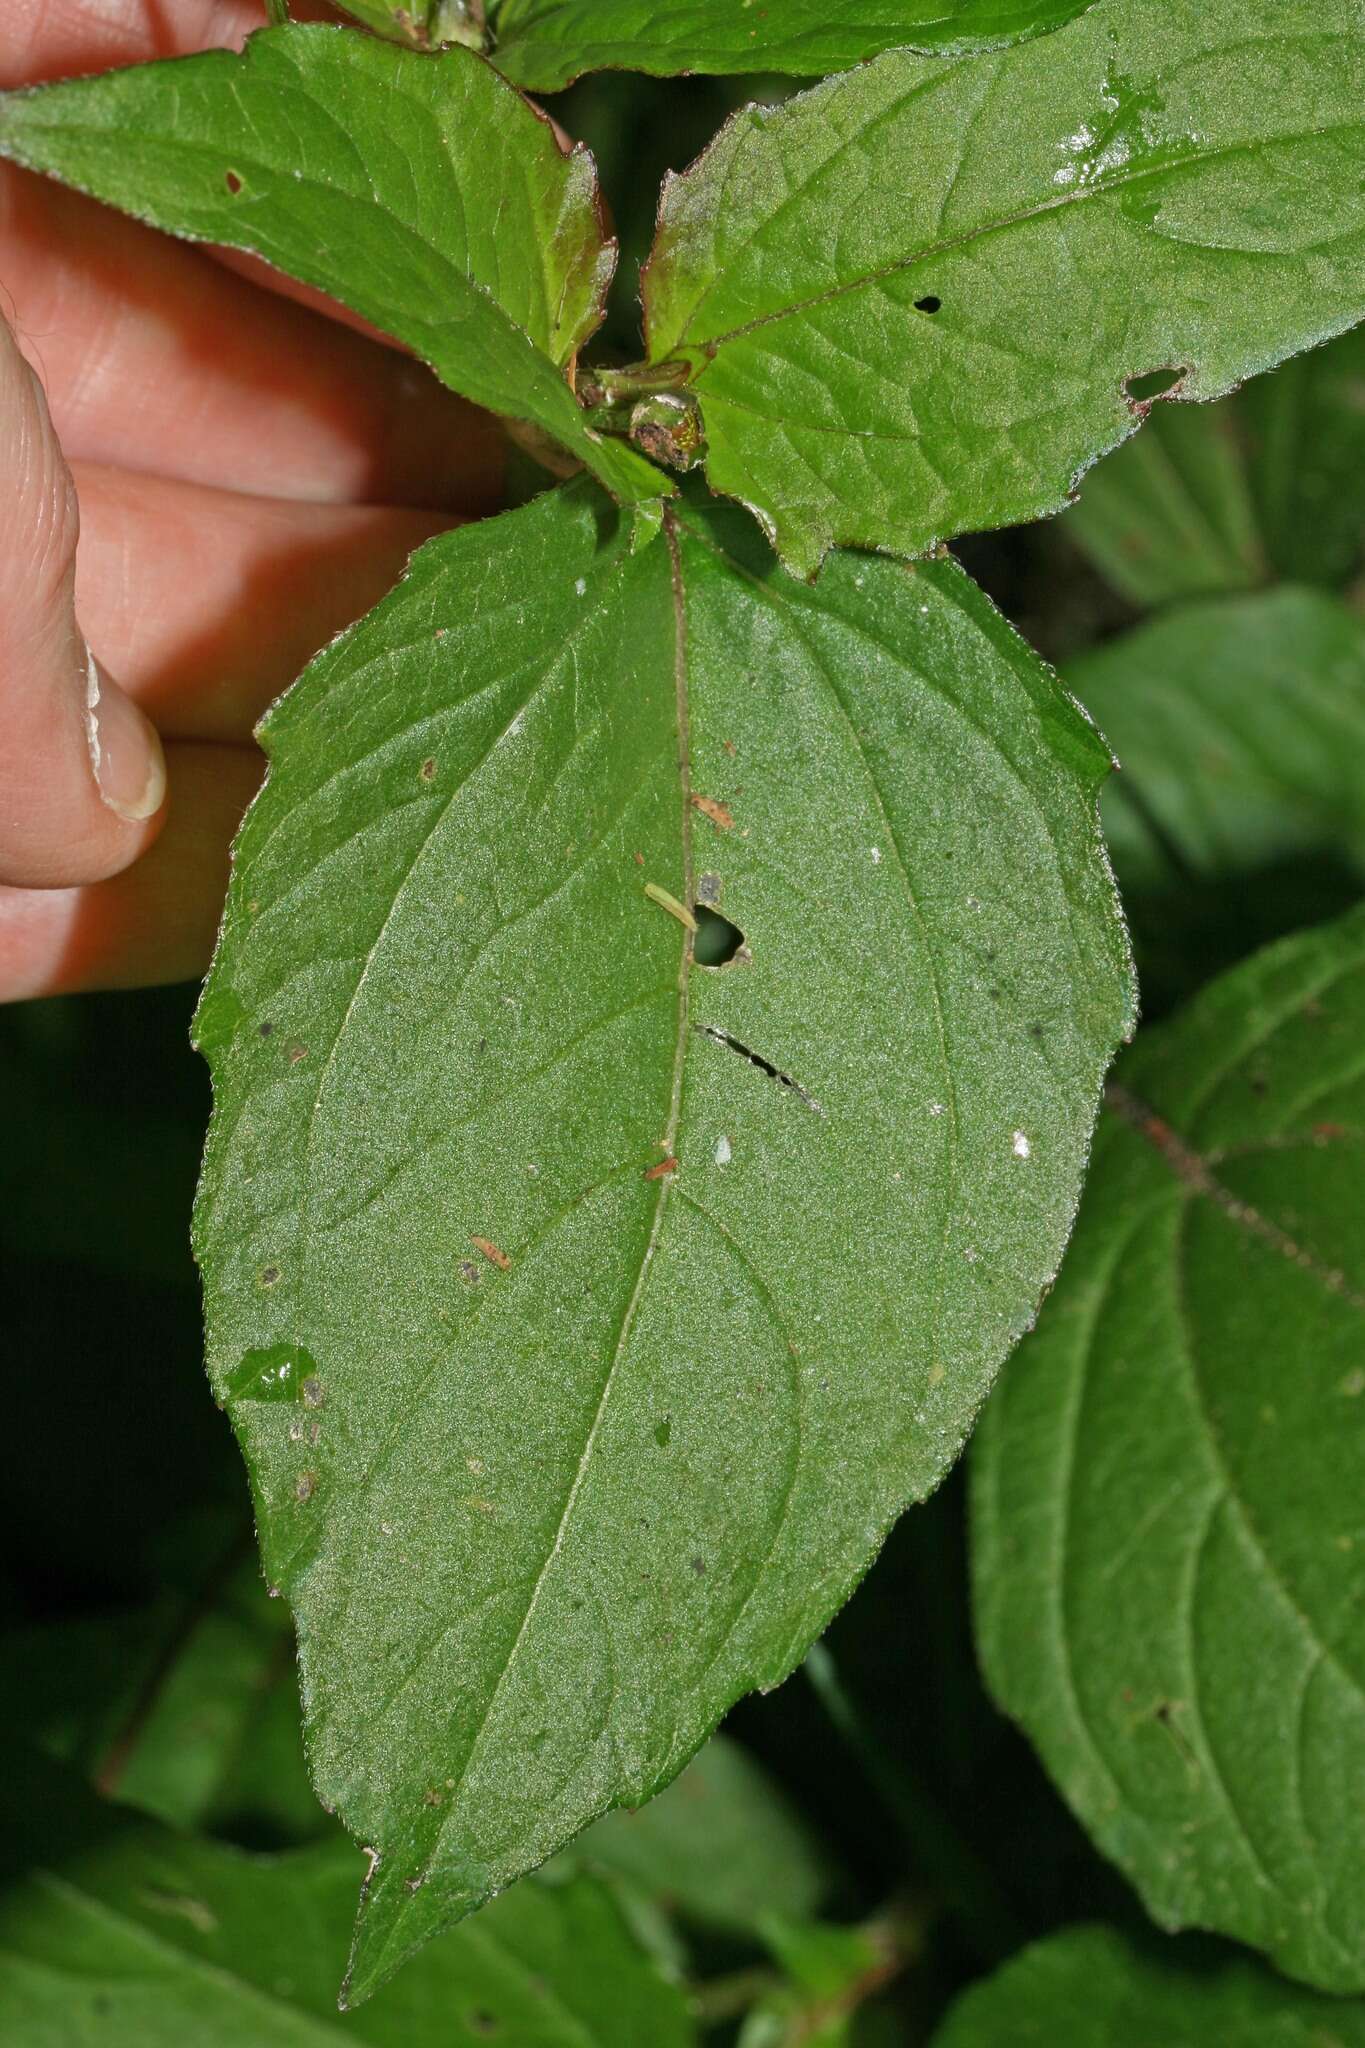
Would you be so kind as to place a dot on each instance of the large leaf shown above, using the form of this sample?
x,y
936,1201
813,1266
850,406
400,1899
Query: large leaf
x,y
420,191
587,1314
543,44
911,300
1169,1560
117,1932
1090,1987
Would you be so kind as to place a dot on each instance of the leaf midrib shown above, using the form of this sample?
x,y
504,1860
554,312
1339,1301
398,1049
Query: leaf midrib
x,y
664,1185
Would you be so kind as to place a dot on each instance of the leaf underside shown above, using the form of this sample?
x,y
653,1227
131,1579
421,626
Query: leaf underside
x,y
911,300
1167,1554
544,44
422,192
586,1314
1091,1987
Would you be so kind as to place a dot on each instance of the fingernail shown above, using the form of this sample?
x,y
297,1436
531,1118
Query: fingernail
x,y
125,749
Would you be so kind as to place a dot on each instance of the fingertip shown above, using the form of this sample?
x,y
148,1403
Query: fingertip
x,y
126,754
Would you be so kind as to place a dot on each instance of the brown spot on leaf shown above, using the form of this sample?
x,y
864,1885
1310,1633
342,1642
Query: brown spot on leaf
x,y
669,1165
716,812
491,1252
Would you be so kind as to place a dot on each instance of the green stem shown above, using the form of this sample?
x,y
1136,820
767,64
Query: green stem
x,y
964,1882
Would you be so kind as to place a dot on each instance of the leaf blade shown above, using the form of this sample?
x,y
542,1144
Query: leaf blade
x,y
120,1930
557,1508
1089,1984
1206,1748
543,45
336,157
1032,229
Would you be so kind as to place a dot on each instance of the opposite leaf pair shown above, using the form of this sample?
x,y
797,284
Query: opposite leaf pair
x,y
907,303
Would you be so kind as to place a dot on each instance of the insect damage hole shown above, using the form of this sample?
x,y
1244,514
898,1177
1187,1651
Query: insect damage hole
x,y
756,1059
233,181
716,941
1148,385
930,303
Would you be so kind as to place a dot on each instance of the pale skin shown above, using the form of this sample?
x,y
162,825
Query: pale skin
x,y
205,473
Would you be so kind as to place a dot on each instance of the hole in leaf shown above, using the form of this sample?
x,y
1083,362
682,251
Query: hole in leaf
x,y
756,1059
1155,384
928,304
717,940
233,183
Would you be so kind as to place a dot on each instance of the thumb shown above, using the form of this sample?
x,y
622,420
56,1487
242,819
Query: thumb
x,y
82,776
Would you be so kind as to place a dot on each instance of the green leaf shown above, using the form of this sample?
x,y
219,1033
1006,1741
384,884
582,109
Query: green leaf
x,y
722,1846
1171,515
1240,725
1306,429
1216,498
544,44
1240,812
117,1930
189,1707
421,192
1090,1987
911,300
587,1314
1168,1555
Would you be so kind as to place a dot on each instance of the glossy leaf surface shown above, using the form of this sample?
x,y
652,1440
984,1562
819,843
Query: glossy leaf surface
x,y
587,1314
542,44
1089,1987
119,1932
419,191
910,302
1167,1548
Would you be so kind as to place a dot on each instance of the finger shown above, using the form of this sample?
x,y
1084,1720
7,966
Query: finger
x,y
81,774
157,922
155,357
57,38
208,603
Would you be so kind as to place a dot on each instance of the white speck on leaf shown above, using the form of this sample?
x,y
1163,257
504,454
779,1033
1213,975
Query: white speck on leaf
x,y
876,856
721,1151
1022,1147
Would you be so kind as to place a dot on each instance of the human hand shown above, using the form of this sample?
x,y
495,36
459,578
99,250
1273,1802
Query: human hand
x,y
251,471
